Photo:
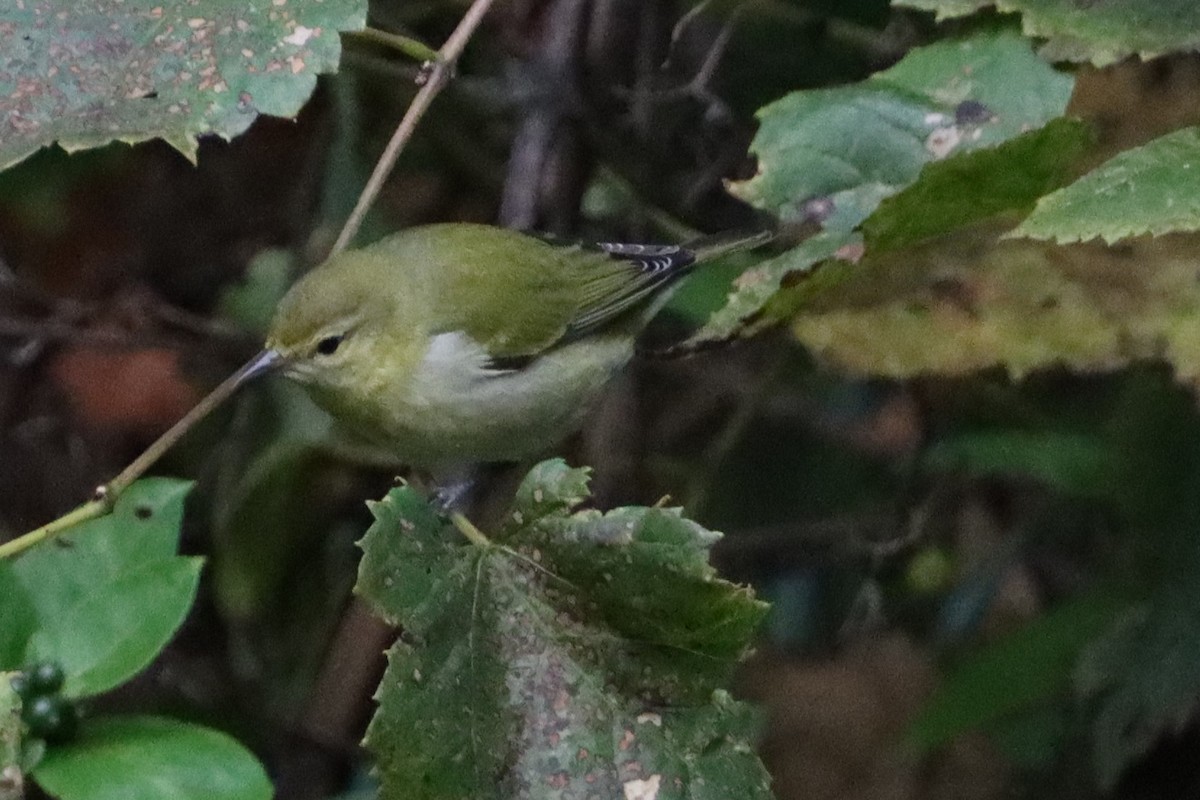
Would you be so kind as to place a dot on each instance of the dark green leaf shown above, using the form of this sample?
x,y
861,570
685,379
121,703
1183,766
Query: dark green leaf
x,y
151,758
1143,675
753,290
833,154
578,653
974,186
1025,668
1076,463
86,73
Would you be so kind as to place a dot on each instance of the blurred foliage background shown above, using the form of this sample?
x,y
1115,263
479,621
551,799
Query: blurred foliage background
x,y
982,562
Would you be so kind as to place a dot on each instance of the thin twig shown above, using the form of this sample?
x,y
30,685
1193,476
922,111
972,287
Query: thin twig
x,y
438,75
413,48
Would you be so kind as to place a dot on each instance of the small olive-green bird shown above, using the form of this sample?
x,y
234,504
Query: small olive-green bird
x,y
454,344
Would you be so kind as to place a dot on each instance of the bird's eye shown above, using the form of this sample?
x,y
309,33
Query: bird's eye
x,y
329,345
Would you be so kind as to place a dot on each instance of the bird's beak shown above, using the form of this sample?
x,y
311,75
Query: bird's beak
x,y
264,362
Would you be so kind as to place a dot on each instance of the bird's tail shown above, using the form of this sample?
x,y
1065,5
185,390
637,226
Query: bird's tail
x,y
707,248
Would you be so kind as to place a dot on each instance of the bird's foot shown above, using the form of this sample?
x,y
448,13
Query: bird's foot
x,y
452,496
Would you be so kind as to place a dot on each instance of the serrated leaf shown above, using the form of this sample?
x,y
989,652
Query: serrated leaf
x,y
1100,31
578,653
1141,676
117,627
833,154
86,73
971,187
1147,190
151,758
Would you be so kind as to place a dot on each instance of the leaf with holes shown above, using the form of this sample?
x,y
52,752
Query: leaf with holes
x,y
832,156
576,653
112,593
86,72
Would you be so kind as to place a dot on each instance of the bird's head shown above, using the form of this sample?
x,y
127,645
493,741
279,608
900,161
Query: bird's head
x,y
334,331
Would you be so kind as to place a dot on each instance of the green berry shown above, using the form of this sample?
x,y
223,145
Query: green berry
x,y
930,570
19,681
45,677
51,717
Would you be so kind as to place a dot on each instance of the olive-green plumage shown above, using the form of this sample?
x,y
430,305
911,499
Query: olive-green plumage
x,y
459,343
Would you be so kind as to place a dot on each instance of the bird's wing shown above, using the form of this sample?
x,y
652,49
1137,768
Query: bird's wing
x,y
633,274
518,295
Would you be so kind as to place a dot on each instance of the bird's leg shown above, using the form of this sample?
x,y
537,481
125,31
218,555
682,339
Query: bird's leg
x,y
450,493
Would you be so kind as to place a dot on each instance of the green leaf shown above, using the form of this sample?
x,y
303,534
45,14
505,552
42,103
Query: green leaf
x,y
1099,31
754,289
971,187
18,621
151,758
578,653
251,303
110,593
833,154
1149,189
1025,668
1142,675
1081,464
117,628
142,529
86,73
261,525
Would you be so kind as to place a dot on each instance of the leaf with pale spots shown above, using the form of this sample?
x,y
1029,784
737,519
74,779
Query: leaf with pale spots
x,y
830,157
86,72
578,654
1099,31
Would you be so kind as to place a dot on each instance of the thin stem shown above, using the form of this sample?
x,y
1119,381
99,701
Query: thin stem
x,y
468,529
106,495
413,48
438,74
264,361
88,511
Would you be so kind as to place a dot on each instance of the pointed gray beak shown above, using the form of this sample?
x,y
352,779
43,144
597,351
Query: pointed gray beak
x,y
264,362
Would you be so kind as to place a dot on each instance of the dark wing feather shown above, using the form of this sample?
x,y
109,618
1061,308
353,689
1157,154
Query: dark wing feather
x,y
648,268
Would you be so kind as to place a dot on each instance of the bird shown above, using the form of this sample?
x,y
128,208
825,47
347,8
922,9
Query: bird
x,y
456,343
